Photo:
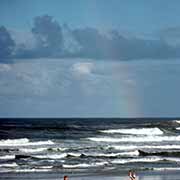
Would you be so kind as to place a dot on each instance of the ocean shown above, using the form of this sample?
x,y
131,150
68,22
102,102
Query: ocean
x,y
89,146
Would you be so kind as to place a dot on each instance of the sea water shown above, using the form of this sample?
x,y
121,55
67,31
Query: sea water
x,y
89,145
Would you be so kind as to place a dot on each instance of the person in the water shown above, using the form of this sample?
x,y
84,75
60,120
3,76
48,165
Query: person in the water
x,y
65,177
132,175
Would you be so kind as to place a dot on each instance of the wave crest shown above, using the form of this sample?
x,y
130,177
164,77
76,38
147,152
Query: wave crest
x,y
142,131
84,165
7,157
23,142
135,139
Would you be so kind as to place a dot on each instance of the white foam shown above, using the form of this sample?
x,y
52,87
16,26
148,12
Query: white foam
x,y
142,131
23,142
5,67
39,143
130,153
166,169
59,149
9,165
74,154
39,169
173,159
32,170
14,142
46,167
125,147
145,159
149,159
34,150
178,128
7,157
51,156
135,139
178,121
84,165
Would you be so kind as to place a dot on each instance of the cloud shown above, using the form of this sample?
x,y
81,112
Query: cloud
x,y
70,45
57,88
24,39
93,43
49,39
82,68
6,44
5,67
171,35
26,44
48,34
99,46
106,88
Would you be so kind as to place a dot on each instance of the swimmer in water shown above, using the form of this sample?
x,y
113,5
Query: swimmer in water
x,y
132,175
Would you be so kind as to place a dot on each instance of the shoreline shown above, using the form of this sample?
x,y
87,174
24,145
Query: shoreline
x,y
141,175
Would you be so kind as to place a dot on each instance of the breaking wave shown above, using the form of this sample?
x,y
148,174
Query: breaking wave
x,y
108,155
135,139
33,150
125,147
80,155
23,142
83,145
12,165
151,159
51,156
142,131
124,161
7,157
29,170
84,165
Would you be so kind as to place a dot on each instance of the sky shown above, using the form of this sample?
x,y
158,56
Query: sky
x,y
131,15
89,58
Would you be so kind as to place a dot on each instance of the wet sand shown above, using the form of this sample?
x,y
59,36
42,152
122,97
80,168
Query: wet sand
x,y
158,175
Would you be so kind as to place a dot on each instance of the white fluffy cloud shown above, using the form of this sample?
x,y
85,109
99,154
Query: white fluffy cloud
x,y
76,87
5,67
82,68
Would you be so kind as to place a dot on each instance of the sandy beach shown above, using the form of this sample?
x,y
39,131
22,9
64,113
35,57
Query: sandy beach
x,y
158,175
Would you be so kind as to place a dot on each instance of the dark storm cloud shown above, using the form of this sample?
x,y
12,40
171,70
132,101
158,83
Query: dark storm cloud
x,y
54,40
93,43
49,37
6,44
96,45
